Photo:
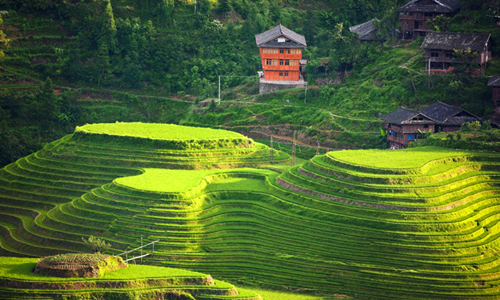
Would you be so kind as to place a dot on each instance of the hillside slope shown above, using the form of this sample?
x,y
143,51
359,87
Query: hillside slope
x,y
414,224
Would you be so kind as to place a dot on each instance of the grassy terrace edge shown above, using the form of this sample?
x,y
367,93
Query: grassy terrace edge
x,y
421,159
167,136
139,281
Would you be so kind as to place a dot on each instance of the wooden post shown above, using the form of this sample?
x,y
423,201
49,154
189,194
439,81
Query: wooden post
x,y
317,149
141,248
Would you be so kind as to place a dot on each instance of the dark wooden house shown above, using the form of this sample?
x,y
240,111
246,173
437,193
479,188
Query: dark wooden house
x,y
368,32
414,15
403,125
495,84
440,48
281,53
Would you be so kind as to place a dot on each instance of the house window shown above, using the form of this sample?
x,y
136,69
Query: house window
x,y
281,62
287,62
282,51
426,126
286,74
428,14
281,73
269,62
411,136
288,51
434,54
448,55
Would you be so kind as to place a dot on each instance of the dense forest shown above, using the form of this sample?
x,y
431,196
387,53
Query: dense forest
x,y
156,60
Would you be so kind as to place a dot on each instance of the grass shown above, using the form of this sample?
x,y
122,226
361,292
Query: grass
x,y
158,131
332,230
166,181
22,269
402,159
279,295
175,181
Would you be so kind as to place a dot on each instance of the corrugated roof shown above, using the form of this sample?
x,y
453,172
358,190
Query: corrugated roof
x,y
277,32
435,6
456,41
495,81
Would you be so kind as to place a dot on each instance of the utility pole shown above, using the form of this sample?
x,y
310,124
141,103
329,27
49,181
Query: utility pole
x,y
195,7
317,149
219,89
141,248
272,152
293,148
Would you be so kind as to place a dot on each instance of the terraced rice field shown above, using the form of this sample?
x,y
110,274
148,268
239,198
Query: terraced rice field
x,y
17,281
341,225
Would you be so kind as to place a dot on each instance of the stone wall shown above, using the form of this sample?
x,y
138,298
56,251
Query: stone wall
x,y
270,87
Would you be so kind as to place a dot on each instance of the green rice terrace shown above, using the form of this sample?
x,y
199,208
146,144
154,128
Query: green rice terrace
x,y
18,281
421,223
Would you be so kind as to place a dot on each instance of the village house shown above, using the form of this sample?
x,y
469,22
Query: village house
x,y
440,50
368,32
414,15
495,84
405,125
281,58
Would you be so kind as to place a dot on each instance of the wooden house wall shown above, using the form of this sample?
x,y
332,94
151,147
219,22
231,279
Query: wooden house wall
x,y
280,75
278,68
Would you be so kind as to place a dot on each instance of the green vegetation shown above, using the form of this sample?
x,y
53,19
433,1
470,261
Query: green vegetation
x,y
96,245
342,224
387,159
135,61
147,282
173,181
79,265
158,131
274,295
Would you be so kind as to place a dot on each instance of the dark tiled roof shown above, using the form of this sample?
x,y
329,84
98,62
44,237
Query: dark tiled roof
x,y
440,111
437,113
399,115
277,32
495,81
436,6
368,31
274,44
456,41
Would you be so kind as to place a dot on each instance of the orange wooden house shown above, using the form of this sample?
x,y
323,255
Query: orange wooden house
x,y
281,53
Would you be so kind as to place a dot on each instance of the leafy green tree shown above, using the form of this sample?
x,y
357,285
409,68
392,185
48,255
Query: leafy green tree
x,y
439,23
224,6
466,63
108,29
343,46
96,245
4,42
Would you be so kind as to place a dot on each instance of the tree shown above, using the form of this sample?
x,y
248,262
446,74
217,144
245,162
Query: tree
x,y
96,245
4,42
108,29
163,10
48,106
342,47
224,6
466,63
439,23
